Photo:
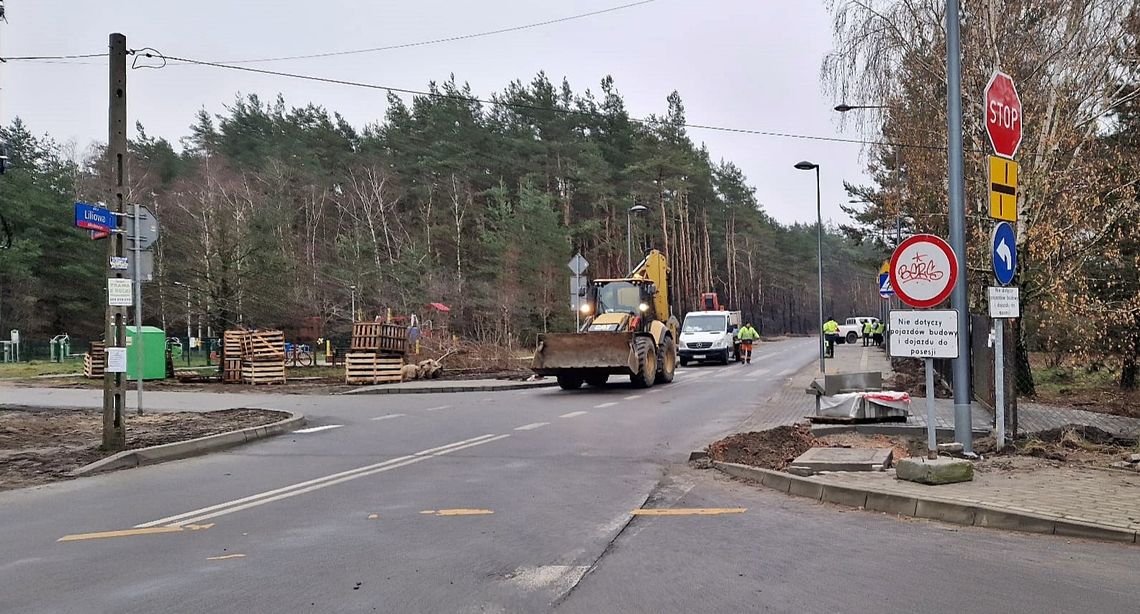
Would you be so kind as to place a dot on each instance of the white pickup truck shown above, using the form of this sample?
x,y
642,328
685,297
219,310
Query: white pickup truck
x,y
710,335
852,330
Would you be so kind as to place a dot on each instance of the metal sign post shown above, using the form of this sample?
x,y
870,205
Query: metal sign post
x,y
577,265
927,335
137,250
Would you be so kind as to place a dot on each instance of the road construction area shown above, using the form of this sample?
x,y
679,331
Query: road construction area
x,y
529,500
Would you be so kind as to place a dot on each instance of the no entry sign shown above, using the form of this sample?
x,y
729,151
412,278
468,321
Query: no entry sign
x,y
923,271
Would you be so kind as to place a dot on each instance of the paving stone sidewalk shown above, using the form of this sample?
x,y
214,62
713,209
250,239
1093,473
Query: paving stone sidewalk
x,y
791,404
1104,497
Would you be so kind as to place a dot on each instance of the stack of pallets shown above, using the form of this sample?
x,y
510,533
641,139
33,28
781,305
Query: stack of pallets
x,y
95,360
263,357
376,355
231,356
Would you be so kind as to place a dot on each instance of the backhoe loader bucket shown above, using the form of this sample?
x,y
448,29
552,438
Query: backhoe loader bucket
x,y
595,352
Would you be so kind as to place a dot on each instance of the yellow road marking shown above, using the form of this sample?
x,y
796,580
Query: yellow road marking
x,y
225,557
689,511
458,512
132,532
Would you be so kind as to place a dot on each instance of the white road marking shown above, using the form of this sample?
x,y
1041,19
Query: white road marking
x,y
388,416
438,408
574,414
316,429
605,405
632,397
531,426
292,490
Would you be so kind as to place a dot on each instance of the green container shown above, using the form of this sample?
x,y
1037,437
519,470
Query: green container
x,y
154,353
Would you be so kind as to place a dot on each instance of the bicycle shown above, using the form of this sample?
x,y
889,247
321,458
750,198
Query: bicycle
x,y
298,356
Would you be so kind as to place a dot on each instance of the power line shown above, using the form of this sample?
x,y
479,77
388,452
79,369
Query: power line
x,y
38,58
448,39
517,105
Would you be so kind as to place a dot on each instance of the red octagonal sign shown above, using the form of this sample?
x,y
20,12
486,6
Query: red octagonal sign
x,y
1003,115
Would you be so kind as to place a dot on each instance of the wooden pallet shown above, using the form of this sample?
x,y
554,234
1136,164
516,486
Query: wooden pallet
x,y
368,368
268,344
231,371
95,361
263,372
231,343
379,337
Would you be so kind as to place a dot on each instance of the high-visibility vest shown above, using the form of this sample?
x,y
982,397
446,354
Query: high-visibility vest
x,y
749,333
868,326
831,326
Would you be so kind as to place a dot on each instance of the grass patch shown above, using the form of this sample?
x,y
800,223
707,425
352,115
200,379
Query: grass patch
x,y
36,368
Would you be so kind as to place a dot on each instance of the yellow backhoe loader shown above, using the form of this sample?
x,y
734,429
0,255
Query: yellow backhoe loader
x,y
628,330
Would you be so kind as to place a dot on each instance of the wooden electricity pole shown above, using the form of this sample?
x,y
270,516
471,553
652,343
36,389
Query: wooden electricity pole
x,y
115,331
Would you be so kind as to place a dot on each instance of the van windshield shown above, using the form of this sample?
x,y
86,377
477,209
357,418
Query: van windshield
x,y
704,324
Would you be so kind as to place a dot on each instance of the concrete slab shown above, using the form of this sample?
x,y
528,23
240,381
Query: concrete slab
x,y
935,471
816,460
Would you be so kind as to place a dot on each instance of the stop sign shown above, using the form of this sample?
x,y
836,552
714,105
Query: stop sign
x,y
1003,115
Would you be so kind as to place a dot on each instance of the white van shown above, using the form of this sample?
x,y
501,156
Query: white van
x,y
710,335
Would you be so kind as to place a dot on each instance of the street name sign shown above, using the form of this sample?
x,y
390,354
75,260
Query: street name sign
x,y
1004,302
1003,244
1003,188
94,217
923,271
924,334
1003,115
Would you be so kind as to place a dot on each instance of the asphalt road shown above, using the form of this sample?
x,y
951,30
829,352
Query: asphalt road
x,y
511,502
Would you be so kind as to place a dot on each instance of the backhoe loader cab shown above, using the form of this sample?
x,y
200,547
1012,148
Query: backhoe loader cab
x,y
627,330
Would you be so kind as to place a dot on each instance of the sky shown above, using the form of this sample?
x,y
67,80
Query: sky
x,y
751,64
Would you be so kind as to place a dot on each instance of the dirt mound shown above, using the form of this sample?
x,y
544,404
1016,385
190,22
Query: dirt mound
x,y
772,449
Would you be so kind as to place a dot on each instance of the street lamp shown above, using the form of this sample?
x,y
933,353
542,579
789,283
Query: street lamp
x,y
352,293
629,234
809,166
843,108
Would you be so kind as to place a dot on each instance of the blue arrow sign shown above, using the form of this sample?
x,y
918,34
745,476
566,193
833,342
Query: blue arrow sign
x,y
1004,249
93,217
885,289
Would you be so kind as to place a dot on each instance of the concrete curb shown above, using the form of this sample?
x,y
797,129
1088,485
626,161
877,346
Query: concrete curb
x,y
191,447
933,508
449,389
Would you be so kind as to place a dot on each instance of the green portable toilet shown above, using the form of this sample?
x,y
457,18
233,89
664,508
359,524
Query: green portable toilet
x,y
154,352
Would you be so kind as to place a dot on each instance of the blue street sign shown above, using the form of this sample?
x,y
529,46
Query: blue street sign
x,y
1004,249
93,217
885,289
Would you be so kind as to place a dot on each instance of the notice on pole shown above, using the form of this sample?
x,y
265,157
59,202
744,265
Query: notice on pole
x,y
1005,302
120,292
924,333
116,360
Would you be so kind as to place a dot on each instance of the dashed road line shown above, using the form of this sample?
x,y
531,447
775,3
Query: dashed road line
x,y
317,429
531,426
237,505
132,532
225,557
574,414
438,408
632,397
388,416
605,405
458,512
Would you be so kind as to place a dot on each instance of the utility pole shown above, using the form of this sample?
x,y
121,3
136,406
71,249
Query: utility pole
x,y
959,298
115,330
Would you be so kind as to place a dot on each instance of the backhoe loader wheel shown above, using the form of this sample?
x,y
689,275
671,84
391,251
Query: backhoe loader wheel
x,y
646,364
667,365
569,382
598,381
